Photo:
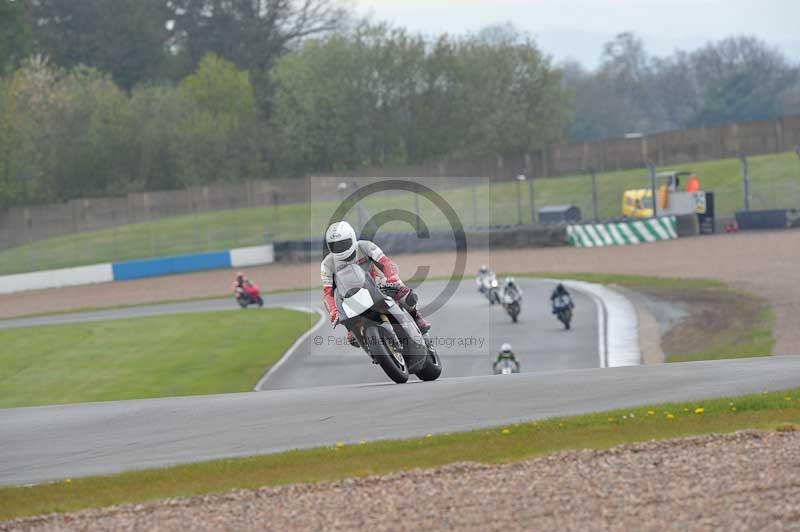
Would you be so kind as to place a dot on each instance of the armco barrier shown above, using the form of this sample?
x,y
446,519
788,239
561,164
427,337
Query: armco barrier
x,y
136,269
506,237
252,256
622,233
82,275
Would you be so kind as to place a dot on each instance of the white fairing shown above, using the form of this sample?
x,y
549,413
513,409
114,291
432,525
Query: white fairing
x,y
506,370
357,303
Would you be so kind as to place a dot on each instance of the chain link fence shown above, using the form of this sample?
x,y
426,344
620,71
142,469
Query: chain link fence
x,y
270,216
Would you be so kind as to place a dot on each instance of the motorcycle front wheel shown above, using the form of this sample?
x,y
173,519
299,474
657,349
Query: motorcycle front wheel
x,y
387,354
432,368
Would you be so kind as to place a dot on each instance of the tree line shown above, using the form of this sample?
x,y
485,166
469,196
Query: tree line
x,y
105,97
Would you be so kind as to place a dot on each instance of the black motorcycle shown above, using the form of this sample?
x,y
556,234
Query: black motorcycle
x,y
562,308
512,305
382,328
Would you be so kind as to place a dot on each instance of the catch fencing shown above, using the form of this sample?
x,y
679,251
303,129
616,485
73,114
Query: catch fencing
x,y
24,225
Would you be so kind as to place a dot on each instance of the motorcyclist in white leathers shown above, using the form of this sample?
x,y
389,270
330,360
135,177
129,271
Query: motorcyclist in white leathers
x,y
346,249
511,289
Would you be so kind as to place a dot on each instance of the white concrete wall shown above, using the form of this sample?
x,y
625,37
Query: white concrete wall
x,y
96,273
253,256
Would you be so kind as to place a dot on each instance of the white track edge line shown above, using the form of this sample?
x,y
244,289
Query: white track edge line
x,y
303,337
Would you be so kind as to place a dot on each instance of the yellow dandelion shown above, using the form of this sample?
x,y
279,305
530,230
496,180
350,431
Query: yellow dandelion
x,y
686,409
362,442
733,409
505,431
429,435
339,444
699,410
787,398
670,416
651,412
68,480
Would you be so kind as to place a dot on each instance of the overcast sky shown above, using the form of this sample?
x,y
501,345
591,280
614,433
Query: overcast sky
x,y
577,28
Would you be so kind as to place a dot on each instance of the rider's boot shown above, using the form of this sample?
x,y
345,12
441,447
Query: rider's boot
x,y
422,323
408,300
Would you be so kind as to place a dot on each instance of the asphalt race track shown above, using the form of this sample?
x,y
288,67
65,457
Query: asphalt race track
x,y
53,442
560,377
468,332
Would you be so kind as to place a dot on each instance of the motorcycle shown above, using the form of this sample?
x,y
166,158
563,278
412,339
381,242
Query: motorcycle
x,y
382,328
489,288
248,295
505,366
562,308
512,305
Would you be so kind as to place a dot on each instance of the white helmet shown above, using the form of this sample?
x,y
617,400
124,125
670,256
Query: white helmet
x,y
340,238
505,348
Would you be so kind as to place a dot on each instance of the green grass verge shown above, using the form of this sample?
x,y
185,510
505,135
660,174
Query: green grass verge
x,y
137,358
499,445
775,183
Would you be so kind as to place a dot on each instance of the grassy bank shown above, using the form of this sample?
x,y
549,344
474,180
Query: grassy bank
x,y
774,183
722,323
499,445
137,358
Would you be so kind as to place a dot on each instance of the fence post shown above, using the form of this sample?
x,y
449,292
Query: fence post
x,y
594,193
276,221
520,179
745,170
651,169
475,205
533,201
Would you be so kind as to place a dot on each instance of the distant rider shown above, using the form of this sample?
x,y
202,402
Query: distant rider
x,y
511,289
506,354
242,281
345,249
560,292
483,273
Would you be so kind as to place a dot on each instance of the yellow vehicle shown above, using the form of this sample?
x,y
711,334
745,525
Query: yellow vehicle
x,y
638,203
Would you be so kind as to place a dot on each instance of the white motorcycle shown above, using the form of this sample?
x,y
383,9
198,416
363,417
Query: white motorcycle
x,y
505,366
382,328
489,288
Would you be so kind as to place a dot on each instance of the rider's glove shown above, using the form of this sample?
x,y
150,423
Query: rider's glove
x,y
333,315
402,291
351,339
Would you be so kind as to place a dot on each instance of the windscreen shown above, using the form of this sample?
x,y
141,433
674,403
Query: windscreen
x,y
349,277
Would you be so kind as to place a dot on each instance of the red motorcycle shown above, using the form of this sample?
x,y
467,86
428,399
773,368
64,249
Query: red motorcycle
x,y
248,294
